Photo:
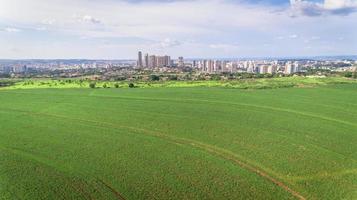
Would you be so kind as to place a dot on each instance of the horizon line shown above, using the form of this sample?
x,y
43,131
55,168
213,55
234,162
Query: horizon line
x,y
190,58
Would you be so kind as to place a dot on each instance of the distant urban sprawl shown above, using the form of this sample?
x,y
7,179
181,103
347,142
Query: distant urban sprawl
x,y
248,66
176,69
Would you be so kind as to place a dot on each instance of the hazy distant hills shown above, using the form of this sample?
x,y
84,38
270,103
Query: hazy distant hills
x,y
83,61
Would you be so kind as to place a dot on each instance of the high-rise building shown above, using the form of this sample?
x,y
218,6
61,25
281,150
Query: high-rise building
x,y
229,67
217,66
272,69
289,68
181,62
194,63
297,67
263,69
246,65
163,61
140,59
146,60
152,61
160,61
208,66
205,65
224,67
251,67
167,61
201,65
6,69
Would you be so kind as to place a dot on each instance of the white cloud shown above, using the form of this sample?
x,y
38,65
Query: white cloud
x,y
154,20
328,7
12,30
213,25
279,37
315,38
169,43
41,28
293,36
90,19
48,21
338,4
223,46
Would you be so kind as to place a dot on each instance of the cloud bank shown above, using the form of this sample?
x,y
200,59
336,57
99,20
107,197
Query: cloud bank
x,y
328,7
197,28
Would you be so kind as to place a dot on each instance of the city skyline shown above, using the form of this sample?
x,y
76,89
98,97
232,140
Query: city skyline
x,y
116,29
159,63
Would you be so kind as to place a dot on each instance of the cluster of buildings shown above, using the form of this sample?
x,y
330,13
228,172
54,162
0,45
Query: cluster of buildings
x,y
39,66
255,67
219,66
164,64
13,69
153,61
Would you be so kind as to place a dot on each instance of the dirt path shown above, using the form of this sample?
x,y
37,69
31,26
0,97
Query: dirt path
x,y
115,192
233,158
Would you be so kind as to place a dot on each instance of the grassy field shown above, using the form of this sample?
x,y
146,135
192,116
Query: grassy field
x,y
179,143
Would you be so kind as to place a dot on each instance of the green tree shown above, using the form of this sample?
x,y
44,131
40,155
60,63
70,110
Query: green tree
x,y
348,75
173,78
355,73
92,85
216,77
116,85
131,85
154,77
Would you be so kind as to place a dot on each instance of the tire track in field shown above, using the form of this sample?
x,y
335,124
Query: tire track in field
x,y
222,122
237,104
73,182
49,164
211,149
114,191
222,102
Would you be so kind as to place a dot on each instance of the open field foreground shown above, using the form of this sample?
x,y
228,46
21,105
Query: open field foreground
x,y
179,143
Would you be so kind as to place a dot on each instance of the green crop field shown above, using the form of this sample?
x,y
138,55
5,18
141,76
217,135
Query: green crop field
x,y
179,143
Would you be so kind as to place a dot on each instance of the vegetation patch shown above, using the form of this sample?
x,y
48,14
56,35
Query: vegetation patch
x,y
262,83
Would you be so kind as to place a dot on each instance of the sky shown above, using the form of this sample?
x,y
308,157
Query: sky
x,y
118,29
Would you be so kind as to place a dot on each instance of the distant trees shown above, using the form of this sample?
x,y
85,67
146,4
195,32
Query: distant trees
x,y
6,83
154,77
131,85
216,77
105,85
246,75
268,75
92,85
5,76
116,85
173,78
348,75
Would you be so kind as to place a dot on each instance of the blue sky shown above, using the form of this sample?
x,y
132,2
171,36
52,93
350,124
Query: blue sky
x,y
116,29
